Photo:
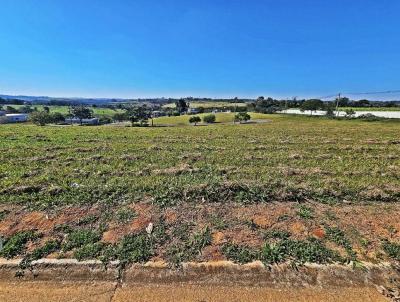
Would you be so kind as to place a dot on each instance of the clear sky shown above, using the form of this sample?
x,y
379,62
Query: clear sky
x,y
138,48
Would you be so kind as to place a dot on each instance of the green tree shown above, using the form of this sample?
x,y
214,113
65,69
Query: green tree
x,y
350,112
40,118
181,106
209,118
312,105
82,112
139,114
242,117
120,116
57,117
194,120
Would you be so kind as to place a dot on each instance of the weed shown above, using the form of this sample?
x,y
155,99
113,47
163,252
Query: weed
x,y
79,238
218,223
188,250
276,234
89,251
392,249
240,253
305,212
3,214
40,252
311,250
89,219
337,236
15,245
125,215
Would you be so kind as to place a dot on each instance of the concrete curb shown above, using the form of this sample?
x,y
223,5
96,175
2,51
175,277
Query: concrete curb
x,y
209,273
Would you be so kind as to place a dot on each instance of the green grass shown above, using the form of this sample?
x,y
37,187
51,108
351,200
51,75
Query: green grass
x,y
209,105
65,109
289,158
221,117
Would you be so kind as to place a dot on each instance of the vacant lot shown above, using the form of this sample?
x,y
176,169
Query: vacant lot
x,y
293,188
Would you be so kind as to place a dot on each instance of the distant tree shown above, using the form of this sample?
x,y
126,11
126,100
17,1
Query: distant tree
x,y
242,117
268,105
201,109
350,112
120,117
209,118
46,108
312,105
57,117
26,109
40,118
195,119
329,111
10,109
81,112
139,114
344,102
181,106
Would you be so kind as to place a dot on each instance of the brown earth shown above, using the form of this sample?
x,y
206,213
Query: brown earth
x,y
365,225
107,292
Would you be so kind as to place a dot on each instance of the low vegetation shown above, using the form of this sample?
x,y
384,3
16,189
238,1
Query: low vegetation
x,y
275,189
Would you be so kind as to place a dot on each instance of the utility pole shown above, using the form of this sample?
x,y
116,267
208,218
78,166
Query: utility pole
x,y
337,105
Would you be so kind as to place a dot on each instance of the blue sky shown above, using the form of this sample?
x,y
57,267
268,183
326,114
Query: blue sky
x,y
221,48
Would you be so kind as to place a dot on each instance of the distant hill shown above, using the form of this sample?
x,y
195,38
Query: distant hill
x,y
45,99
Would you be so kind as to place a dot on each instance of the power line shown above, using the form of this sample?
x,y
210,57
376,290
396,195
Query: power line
x,y
374,92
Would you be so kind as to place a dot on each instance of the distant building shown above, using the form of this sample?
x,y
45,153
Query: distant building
x,y
193,110
85,121
2,113
17,117
158,113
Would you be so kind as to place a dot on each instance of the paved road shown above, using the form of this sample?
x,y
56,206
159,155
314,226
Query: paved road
x,y
44,291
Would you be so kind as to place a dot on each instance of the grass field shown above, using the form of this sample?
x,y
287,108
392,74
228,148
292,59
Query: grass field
x,y
209,104
220,118
64,109
293,188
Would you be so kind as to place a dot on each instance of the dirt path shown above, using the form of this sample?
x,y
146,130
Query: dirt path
x,y
39,291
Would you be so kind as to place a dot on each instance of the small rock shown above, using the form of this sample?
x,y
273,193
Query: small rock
x,y
149,228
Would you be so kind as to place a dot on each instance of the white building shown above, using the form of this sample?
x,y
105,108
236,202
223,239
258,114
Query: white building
x,y
17,117
85,121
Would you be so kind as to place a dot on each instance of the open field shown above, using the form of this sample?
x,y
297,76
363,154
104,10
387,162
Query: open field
x,y
294,188
65,109
220,118
209,104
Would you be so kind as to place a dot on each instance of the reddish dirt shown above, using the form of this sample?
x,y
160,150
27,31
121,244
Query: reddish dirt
x,y
364,224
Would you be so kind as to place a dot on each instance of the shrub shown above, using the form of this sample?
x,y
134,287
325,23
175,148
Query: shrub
x,y
48,248
242,117
15,245
125,215
57,117
80,238
194,120
392,249
40,118
89,251
209,118
240,253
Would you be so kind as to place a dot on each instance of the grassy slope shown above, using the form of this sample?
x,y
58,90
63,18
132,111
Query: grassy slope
x,y
315,157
